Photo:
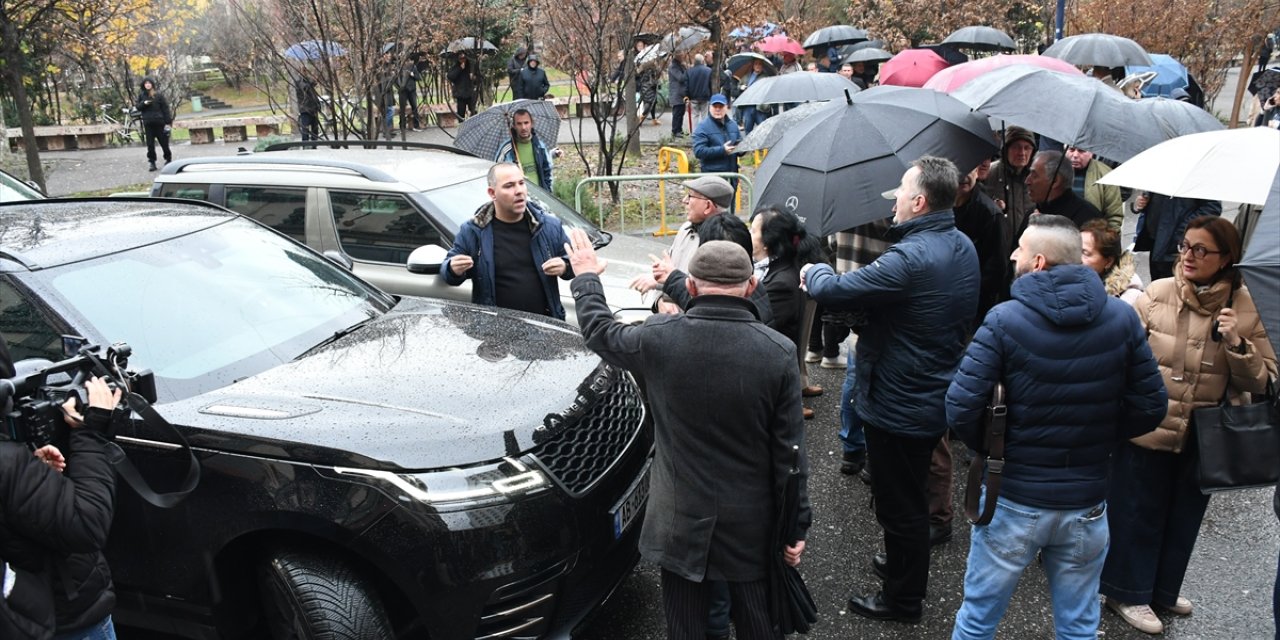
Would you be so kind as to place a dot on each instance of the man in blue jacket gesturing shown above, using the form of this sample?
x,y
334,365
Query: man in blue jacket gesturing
x,y
920,296
1079,380
511,250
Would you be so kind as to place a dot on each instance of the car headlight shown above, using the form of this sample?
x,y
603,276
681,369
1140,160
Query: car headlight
x,y
481,484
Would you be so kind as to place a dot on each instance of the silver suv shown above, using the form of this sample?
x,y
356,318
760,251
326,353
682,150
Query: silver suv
x,y
371,209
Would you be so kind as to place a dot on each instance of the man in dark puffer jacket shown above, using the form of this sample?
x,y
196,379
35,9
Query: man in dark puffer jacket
x,y
1079,380
53,525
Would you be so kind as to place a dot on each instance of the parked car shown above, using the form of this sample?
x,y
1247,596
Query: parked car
x,y
14,189
389,467
369,209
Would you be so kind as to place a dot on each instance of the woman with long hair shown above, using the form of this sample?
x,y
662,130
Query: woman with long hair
x,y
780,244
1101,251
1206,336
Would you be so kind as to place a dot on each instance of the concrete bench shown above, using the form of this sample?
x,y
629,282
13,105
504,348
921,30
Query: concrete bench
x,y
443,114
233,129
62,138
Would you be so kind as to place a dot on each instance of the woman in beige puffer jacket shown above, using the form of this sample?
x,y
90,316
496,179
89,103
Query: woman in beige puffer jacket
x,y
1155,502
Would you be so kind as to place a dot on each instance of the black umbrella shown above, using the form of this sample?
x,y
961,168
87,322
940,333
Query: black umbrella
x,y
471,44
981,38
869,44
834,36
831,168
870,54
1264,83
647,38
1261,265
791,607
484,133
947,52
1099,50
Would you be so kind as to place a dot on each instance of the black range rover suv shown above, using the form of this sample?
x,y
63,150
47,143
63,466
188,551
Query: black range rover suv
x,y
384,467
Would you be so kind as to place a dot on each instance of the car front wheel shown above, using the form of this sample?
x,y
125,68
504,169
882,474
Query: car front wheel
x,y
311,597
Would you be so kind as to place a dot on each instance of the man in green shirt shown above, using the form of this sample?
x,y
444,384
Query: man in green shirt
x,y
527,150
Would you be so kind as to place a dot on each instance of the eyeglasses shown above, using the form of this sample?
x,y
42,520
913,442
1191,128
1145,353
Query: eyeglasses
x,y
1199,251
690,196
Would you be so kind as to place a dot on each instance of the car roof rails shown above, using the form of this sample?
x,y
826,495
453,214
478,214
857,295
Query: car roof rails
x,y
363,170
367,144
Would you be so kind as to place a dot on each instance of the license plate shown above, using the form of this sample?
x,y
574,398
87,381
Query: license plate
x,y
631,503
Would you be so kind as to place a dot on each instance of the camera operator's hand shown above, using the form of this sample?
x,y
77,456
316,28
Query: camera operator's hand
x,y
100,396
51,456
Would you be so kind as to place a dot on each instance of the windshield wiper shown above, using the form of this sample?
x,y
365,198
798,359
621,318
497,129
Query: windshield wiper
x,y
337,335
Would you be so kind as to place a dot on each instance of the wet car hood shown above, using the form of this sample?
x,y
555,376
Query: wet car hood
x,y
431,384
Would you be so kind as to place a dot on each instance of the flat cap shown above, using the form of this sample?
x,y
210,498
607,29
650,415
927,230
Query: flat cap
x,y
713,188
722,262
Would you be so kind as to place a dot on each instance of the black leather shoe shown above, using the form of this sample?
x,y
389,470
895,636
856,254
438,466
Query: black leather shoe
x,y
939,534
880,566
875,608
852,462
865,476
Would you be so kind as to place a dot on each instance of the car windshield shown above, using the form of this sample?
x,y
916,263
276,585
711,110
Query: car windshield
x,y
13,189
209,308
458,203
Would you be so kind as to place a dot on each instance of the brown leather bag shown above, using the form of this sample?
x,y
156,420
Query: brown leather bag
x,y
993,442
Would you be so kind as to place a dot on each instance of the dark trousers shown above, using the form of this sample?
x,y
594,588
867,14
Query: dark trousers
x,y
409,109
940,481
677,118
1160,269
826,336
686,604
1155,508
153,132
310,126
465,104
899,477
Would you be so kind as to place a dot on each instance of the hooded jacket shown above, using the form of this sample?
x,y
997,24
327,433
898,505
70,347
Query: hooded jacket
x,y
1079,378
475,239
1122,280
1010,186
543,161
532,82
1197,369
151,105
920,296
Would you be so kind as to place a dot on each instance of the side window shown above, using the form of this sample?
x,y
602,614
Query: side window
x,y
27,332
187,191
284,210
380,228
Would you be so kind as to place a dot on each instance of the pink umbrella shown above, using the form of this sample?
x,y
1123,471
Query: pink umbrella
x,y
951,78
911,68
780,44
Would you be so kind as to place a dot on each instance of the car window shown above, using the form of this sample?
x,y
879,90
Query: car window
x,y
282,209
262,300
458,203
185,191
14,190
26,331
380,227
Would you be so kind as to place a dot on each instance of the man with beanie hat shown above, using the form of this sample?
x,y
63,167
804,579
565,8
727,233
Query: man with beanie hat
x,y
1007,185
722,450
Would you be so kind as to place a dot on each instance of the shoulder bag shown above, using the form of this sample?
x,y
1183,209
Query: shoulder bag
x,y
1239,445
993,442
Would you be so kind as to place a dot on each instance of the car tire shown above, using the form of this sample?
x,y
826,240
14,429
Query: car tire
x,y
311,597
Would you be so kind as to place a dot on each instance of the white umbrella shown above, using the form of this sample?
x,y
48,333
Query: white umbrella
x,y
1237,165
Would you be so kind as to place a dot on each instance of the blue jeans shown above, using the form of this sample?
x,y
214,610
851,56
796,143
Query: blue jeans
x,y
851,435
102,630
1073,543
750,118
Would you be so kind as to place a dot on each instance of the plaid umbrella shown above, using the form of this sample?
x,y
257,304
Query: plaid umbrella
x,y
484,133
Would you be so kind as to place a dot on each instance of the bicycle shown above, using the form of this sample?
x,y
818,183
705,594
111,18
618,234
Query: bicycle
x,y
126,132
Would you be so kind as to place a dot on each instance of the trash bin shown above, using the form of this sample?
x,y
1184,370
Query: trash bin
x,y
195,103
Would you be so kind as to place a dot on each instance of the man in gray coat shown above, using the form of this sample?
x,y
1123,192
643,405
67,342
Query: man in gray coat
x,y
676,93
724,450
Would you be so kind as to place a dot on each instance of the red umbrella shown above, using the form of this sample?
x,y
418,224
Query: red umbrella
x,y
951,78
911,68
780,44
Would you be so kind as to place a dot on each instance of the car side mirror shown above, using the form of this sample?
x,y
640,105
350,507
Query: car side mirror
x,y
426,259
339,258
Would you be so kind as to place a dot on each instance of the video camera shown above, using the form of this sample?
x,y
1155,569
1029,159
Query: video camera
x,y
36,416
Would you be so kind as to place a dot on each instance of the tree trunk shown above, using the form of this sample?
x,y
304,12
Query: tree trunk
x,y
13,71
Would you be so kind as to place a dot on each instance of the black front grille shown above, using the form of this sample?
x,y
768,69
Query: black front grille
x,y
584,447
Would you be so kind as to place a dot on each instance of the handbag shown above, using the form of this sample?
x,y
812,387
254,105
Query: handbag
x,y
1239,445
993,441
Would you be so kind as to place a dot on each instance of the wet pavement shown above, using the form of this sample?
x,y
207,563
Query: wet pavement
x,y
1229,581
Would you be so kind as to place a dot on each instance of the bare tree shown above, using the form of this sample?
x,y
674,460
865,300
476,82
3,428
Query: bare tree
x,y
21,21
